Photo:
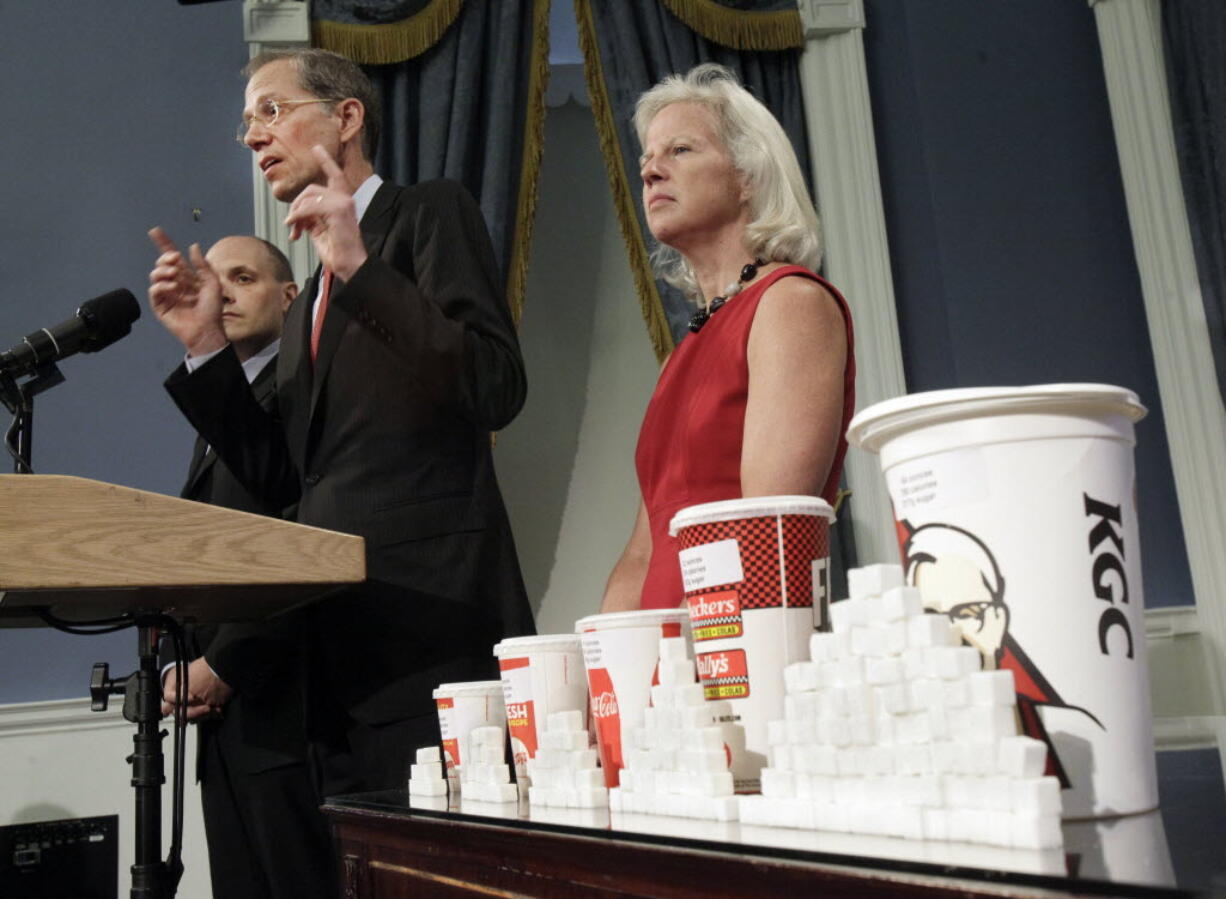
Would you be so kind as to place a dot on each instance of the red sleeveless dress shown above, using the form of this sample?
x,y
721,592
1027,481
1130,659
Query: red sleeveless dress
x,y
689,448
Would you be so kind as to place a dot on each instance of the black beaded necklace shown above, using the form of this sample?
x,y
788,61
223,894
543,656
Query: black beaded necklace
x,y
748,273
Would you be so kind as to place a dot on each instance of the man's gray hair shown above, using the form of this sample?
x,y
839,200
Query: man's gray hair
x,y
330,76
783,225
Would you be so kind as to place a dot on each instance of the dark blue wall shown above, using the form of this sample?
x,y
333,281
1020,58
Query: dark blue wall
x,y
119,116
1012,258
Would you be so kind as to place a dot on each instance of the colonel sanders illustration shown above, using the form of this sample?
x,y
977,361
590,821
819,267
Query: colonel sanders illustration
x,y
958,576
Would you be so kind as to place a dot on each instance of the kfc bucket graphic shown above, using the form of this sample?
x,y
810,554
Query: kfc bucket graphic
x,y
621,651
756,586
1017,517
462,707
540,675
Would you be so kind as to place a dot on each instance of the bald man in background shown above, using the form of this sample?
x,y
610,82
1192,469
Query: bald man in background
x,y
265,836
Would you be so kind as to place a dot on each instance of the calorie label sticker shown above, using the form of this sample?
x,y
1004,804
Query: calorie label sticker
x,y
724,674
711,565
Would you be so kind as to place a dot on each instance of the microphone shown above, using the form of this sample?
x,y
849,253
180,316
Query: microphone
x,y
97,324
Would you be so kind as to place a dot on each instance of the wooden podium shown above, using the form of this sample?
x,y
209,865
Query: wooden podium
x,y
79,554
85,550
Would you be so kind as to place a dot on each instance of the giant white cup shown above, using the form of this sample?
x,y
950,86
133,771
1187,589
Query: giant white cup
x,y
462,708
540,675
621,652
1017,516
755,572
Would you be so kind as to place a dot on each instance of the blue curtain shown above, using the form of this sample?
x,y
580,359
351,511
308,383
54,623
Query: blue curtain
x,y
462,87
1194,34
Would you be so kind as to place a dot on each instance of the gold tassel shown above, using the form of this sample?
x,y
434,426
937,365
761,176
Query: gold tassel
x,y
530,170
392,42
777,30
640,264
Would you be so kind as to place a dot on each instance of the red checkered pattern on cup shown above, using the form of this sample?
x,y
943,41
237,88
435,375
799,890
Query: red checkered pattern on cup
x,y
805,539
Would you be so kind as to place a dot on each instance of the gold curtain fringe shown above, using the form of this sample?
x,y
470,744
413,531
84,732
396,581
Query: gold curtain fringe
x,y
391,42
778,30
534,145
610,149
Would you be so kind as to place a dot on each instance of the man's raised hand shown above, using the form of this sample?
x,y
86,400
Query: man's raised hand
x,y
326,212
186,296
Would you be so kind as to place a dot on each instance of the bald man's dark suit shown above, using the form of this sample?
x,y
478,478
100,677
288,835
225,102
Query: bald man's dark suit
x,y
387,436
257,793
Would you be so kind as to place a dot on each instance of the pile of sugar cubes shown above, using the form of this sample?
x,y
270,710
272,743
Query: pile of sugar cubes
x,y
677,762
485,775
426,774
565,772
892,729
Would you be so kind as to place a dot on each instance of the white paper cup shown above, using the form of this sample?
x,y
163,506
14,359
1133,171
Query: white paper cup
x,y
461,708
621,652
540,675
1017,516
756,576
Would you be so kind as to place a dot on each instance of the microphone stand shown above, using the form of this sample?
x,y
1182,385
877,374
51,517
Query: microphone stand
x,y
19,398
152,878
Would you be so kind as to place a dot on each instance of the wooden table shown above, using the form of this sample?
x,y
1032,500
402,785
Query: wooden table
x,y
388,850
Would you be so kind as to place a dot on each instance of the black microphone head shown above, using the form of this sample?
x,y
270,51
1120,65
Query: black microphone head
x,y
109,318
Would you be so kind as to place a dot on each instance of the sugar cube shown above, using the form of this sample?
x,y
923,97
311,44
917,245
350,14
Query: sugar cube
x,y
427,787
930,629
566,720
898,603
1021,757
675,672
873,580
992,687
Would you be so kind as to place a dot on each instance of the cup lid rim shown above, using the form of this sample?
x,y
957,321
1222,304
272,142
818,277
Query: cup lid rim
x,y
749,507
871,427
539,642
470,686
621,619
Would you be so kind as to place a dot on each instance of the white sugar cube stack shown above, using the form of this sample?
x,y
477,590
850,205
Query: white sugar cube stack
x,y
677,762
892,729
565,772
485,775
426,776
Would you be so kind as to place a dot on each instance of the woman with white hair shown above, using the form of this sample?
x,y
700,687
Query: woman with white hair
x,y
754,402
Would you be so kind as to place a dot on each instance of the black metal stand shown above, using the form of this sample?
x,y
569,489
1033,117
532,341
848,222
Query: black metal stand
x,y
19,398
152,878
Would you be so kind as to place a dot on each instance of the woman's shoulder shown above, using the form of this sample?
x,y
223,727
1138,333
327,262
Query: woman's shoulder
x,y
798,293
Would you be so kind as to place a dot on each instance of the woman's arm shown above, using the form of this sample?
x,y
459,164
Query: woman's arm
x,y
797,353
624,591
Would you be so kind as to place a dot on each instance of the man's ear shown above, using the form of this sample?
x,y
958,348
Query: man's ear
x,y
289,290
353,117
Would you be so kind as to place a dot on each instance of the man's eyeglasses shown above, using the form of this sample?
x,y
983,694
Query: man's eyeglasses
x,y
269,112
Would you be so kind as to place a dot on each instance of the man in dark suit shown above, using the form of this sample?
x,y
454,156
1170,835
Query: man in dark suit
x,y
264,838
397,361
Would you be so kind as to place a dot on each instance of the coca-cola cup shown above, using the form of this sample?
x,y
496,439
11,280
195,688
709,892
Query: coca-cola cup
x,y
540,675
621,651
756,577
1017,517
463,707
